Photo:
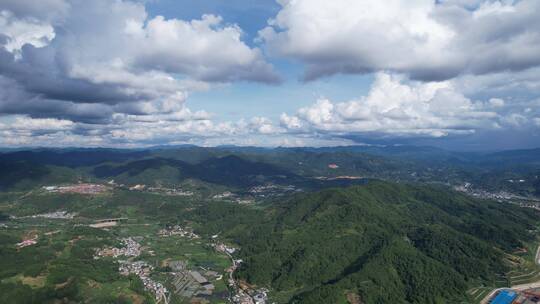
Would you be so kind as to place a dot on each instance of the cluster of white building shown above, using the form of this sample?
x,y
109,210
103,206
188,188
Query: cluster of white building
x,y
178,230
223,195
229,196
64,215
271,189
242,298
77,188
250,296
500,196
224,248
143,270
242,294
137,188
131,249
169,191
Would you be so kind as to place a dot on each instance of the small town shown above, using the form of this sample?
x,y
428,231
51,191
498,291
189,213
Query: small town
x,y
170,191
185,282
143,271
272,190
224,195
501,196
242,293
131,249
233,197
178,230
82,188
61,215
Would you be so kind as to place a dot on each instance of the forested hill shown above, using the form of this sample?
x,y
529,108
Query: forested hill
x,y
385,242
517,172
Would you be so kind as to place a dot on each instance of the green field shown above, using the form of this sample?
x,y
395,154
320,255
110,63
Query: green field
x,y
378,242
62,266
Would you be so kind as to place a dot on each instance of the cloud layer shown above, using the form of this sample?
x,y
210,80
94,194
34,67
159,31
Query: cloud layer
x,y
426,39
102,57
108,73
400,108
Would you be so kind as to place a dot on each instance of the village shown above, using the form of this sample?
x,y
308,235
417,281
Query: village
x,y
60,215
143,271
81,188
272,190
159,190
182,280
171,278
500,196
242,293
178,230
131,248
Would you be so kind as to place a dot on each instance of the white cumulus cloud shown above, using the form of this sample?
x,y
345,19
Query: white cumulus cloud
x,y
19,32
398,107
429,40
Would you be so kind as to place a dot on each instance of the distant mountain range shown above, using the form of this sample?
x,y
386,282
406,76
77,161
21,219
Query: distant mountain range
x,y
246,166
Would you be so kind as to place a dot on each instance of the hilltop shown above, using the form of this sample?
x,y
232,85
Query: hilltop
x,y
386,243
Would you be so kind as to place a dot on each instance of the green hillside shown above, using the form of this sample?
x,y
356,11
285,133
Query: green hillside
x,y
387,243
516,172
229,170
27,175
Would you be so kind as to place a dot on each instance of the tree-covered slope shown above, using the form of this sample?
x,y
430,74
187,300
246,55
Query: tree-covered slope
x,y
73,158
229,170
388,243
16,175
516,172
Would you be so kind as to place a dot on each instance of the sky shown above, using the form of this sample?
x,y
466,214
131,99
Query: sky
x,y
458,74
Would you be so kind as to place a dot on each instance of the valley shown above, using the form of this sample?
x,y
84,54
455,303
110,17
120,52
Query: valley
x,y
257,234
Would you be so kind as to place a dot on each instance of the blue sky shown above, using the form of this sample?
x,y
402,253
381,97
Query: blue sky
x,y
250,99
250,15
247,99
464,75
